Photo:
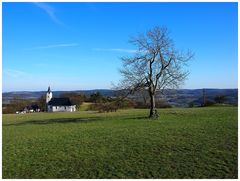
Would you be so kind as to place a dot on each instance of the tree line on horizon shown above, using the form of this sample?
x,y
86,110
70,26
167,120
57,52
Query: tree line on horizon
x,y
97,101
101,103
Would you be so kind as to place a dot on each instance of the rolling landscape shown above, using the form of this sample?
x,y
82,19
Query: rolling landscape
x,y
123,90
182,143
178,98
198,142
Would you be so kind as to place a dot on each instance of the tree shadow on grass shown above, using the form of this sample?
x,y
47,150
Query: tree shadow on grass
x,y
55,121
137,118
72,120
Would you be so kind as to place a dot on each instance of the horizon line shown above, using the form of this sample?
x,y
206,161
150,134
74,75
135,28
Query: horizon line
x,y
105,89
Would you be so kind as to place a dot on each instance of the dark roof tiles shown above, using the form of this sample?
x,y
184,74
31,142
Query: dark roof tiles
x,y
60,102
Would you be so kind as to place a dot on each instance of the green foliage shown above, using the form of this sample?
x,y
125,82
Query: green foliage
x,y
124,103
76,99
111,104
96,97
104,107
190,104
41,102
8,109
209,103
16,104
181,143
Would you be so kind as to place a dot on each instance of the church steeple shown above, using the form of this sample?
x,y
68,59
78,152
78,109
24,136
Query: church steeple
x,y
48,95
49,90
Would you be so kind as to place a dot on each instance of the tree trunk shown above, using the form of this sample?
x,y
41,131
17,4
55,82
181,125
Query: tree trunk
x,y
153,111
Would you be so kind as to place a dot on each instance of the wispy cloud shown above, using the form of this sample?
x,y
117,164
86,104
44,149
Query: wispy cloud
x,y
53,46
14,73
116,50
50,12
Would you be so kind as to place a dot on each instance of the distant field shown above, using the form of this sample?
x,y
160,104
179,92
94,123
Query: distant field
x,y
182,143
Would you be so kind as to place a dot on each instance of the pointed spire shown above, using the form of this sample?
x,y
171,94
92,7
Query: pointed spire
x,y
49,90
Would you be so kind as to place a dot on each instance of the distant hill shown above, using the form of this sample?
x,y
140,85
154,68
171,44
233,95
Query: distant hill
x,y
179,97
183,97
8,96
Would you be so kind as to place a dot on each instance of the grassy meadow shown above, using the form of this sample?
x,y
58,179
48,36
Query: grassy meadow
x,y
182,143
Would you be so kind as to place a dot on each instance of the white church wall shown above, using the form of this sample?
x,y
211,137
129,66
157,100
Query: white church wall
x,y
62,108
73,109
49,108
48,97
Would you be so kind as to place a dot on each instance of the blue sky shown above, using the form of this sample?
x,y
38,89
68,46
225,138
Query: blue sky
x,y
72,46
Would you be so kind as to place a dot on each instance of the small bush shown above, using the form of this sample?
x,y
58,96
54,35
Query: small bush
x,y
124,103
190,104
8,110
209,103
103,107
220,99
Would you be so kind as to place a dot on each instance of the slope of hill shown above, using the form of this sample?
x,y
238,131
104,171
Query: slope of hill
x,y
182,143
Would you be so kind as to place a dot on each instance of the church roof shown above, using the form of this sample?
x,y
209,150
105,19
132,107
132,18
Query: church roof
x,y
60,102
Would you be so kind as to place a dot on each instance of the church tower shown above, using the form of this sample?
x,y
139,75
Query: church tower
x,y
49,95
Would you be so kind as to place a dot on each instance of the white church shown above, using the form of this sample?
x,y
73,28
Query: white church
x,y
58,104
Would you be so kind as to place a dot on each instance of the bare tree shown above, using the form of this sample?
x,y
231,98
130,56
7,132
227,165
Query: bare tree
x,y
156,66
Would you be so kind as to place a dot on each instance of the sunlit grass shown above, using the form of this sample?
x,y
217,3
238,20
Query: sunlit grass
x,y
182,143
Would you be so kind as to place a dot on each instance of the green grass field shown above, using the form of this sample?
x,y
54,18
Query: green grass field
x,y
182,143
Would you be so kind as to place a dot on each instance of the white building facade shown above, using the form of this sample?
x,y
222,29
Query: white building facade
x,y
58,104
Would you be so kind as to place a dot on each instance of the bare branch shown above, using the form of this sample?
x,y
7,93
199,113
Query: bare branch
x,y
156,66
